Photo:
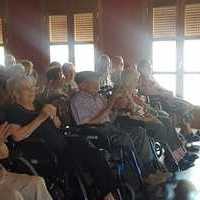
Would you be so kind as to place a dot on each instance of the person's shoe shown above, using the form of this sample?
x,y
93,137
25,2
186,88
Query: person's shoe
x,y
198,133
170,163
193,148
185,164
191,157
192,138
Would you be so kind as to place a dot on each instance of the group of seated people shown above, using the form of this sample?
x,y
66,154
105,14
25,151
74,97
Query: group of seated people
x,y
73,99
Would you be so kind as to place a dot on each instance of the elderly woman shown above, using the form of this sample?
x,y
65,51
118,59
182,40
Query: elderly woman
x,y
69,73
10,60
27,122
138,112
55,93
18,186
104,70
117,69
28,66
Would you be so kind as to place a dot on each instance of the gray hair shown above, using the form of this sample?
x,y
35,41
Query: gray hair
x,y
13,85
10,60
15,70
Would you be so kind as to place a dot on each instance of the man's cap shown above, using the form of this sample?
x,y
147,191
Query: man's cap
x,y
86,76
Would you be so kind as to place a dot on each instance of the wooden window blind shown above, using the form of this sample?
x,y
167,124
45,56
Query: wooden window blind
x,y
164,22
58,32
84,27
192,20
1,31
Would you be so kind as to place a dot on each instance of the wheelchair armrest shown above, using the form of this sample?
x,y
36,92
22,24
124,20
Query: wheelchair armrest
x,y
33,141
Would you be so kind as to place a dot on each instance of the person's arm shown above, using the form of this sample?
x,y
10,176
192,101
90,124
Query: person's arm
x,y
98,117
22,132
4,153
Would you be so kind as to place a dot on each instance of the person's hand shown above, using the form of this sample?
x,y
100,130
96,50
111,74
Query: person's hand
x,y
116,96
57,122
49,111
121,103
3,132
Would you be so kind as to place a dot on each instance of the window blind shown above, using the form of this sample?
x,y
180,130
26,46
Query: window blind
x,y
1,31
84,27
192,20
164,22
58,32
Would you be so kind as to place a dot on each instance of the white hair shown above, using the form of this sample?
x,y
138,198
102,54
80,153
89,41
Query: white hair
x,y
15,70
13,85
10,60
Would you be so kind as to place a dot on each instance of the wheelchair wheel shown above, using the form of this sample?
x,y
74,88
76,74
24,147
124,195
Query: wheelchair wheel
x,y
127,192
158,149
21,165
76,188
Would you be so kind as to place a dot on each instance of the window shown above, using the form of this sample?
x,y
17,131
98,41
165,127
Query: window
x,y
58,37
84,41
191,55
191,61
164,22
181,69
164,56
164,46
191,93
2,55
167,81
72,38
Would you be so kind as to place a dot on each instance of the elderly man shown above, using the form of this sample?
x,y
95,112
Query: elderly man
x,y
88,107
18,186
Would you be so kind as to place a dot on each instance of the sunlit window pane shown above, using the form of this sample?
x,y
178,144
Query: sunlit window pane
x,y
191,93
84,57
191,55
59,53
164,56
167,81
2,56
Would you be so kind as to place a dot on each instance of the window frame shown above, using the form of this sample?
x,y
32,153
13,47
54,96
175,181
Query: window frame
x,y
3,35
71,35
57,43
180,39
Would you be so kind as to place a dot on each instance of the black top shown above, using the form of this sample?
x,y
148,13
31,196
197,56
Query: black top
x,y
16,114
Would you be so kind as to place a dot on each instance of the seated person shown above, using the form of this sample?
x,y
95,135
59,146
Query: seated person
x,y
104,70
28,65
135,110
89,108
55,93
27,122
148,86
117,69
18,186
68,70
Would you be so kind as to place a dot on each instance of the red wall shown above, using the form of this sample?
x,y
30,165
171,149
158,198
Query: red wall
x,y
124,29
26,34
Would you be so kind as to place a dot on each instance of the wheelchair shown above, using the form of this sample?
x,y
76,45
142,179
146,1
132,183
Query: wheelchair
x,y
61,184
122,160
